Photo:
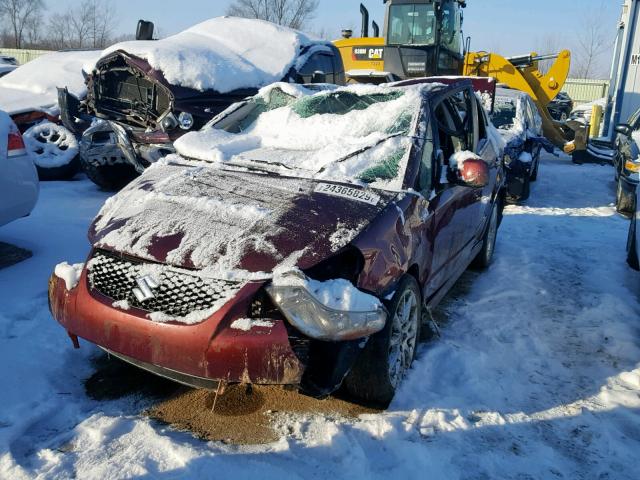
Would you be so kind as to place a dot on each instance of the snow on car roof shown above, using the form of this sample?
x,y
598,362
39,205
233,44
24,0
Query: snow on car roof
x,y
357,134
225,54
34,84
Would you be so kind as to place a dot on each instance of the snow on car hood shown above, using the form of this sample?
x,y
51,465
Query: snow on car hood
x,y
229,223
224,54
33,86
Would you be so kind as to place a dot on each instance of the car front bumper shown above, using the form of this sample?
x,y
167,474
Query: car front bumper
x,y
197,355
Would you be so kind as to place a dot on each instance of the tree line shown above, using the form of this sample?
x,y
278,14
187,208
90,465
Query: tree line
x,y
29,24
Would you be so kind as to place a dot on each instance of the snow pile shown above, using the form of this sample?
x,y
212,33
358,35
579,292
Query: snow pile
x,y
69,273
51,145
246,324
33,86
225,54
536,374
338,294
366,144
525,157
343,236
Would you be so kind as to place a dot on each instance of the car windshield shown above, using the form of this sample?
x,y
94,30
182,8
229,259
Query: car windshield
x,y
412,24
504,113
354,135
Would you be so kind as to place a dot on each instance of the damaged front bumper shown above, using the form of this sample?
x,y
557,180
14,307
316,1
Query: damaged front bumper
x,y
204,354
198,354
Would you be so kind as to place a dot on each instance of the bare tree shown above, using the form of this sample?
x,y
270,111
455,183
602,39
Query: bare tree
x,y
19,14
592,41
91,25
550,43
290,13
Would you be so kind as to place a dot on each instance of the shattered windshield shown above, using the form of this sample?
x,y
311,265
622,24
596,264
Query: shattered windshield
x,y
355,135
504,114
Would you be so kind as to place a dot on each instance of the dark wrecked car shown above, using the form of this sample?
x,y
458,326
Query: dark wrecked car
x,y
626,161
561,107
297,239
150,93
516,117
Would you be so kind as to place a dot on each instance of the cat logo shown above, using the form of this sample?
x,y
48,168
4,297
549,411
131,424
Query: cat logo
x,y
368,53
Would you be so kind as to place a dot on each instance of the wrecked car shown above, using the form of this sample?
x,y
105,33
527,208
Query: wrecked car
x,y
296,239
516,117
29,94
150,93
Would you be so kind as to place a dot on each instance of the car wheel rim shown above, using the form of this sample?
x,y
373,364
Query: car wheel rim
x,y
404,330
492,233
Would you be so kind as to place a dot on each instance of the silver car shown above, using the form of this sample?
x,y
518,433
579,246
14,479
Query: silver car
x,y
19,185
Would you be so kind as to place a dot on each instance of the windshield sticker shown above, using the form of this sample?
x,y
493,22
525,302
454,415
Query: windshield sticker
x,y
348,192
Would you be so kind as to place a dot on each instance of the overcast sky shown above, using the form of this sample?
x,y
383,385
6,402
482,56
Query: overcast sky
x,y
508,27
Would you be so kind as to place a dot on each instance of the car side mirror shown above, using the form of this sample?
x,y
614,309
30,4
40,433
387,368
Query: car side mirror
x,y
474,173
319,77
624,129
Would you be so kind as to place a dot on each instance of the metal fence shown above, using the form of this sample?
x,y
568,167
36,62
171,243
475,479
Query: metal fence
x,y
23,56
583,90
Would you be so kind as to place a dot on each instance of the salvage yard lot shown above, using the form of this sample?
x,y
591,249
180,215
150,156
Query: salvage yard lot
x,y
535,374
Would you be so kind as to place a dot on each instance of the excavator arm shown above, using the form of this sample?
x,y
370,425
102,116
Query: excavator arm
x,y
522,73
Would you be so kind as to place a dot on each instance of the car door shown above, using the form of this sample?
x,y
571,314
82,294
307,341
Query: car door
x,y
449,204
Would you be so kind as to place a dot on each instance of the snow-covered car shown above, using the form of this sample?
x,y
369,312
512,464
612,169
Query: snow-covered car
x,y
295,239
626,162
29,94
149,93
633,242
516,117
19,185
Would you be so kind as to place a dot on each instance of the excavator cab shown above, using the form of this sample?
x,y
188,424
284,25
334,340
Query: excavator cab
x,y
422,38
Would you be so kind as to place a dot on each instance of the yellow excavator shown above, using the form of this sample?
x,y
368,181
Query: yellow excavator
x,y
423,38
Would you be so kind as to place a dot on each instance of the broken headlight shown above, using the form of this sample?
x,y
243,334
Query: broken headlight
x,y
316,320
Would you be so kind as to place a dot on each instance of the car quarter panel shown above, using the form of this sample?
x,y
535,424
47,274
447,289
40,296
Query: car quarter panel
x,y
19,187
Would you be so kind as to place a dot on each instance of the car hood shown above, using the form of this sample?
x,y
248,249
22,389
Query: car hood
x,y
231,223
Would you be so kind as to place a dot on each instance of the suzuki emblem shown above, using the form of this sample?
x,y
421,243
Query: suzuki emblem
x,y
144,291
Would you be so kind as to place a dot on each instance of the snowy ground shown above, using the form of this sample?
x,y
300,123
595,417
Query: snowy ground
x,y
536,376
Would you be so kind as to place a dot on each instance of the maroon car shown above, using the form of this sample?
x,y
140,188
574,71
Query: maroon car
x,y
297,239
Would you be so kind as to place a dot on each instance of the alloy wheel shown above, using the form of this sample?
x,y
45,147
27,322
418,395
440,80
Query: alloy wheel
x,y
404,333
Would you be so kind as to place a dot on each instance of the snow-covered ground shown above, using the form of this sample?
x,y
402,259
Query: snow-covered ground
x,y
536,376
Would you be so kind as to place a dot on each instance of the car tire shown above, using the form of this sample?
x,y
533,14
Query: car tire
x,y
387,356
54,150
110,177
624,200
536,165
485,256
632,253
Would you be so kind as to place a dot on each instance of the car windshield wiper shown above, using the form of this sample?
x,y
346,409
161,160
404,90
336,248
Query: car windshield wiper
x,y
364,149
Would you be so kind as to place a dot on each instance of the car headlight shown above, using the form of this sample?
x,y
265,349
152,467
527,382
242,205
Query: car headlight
x,y
185,120
316,320
632,166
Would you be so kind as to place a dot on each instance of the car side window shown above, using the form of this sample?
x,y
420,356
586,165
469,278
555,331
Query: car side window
x,y
463,103
319,62
425,174
452,134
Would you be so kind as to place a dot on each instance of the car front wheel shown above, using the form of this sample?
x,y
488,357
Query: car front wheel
x,y
388,355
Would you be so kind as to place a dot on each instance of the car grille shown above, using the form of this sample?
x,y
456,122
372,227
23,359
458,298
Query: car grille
x,y
178,293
